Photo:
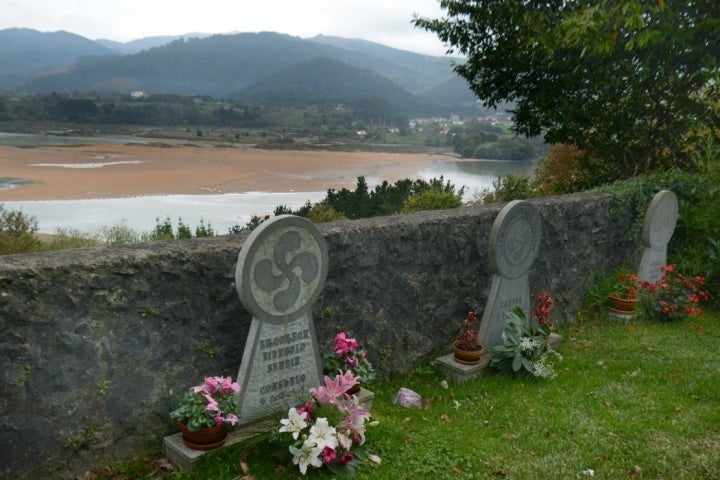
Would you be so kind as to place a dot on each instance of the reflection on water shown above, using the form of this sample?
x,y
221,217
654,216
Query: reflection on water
x,y
228,210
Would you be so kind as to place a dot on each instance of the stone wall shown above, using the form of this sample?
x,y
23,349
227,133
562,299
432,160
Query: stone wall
x,y
98,344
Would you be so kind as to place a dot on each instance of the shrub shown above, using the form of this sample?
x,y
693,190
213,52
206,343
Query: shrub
x,y
324,212
431,199
508,187
251,225
17,232
118,234
69,238
203,231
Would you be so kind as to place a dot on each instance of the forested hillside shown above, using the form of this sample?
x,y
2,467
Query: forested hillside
x,y
322,80
267,67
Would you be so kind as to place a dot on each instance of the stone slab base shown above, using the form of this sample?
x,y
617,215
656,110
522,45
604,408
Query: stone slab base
x,y
186,458
620,316
460,373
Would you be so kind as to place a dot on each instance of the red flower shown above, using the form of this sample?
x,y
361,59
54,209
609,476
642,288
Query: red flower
x,y
329,455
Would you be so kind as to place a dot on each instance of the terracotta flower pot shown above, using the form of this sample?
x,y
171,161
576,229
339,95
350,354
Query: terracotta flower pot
x,y
623,304
467,357
205,439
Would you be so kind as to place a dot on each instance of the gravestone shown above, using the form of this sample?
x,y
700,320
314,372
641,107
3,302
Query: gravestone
x,y
514,243
658,228
280,272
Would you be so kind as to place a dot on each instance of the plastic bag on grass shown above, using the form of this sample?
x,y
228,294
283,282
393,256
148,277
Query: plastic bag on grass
x,y
407,398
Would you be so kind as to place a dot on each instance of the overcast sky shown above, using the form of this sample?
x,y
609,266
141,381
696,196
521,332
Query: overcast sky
x,y
383,21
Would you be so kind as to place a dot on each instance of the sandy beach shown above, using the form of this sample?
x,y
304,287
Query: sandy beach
x,y
114,170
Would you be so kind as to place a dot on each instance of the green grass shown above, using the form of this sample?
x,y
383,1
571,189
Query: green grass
x,y
636,400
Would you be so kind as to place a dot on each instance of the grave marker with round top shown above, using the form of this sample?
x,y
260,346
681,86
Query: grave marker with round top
x,y
514,244
658,228
280,272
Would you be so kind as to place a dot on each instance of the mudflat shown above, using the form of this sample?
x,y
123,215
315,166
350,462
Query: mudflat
x,y
114,170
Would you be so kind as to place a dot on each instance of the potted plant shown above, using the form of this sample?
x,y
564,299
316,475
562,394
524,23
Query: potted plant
x,y
205,412
674,296
347,356
624,297
466,348
525,348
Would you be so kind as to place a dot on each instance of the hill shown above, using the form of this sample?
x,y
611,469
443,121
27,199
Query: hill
x,y
24,51
135,46
322,81
227,65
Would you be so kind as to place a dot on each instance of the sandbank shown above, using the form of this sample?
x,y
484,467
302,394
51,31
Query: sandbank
x,y
114,170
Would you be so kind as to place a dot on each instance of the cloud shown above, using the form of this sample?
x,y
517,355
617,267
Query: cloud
x,y
382,21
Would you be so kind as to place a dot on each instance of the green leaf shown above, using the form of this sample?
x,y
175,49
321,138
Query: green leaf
x,y
517,363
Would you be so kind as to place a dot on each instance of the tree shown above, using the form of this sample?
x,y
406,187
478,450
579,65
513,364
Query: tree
x,y
631,82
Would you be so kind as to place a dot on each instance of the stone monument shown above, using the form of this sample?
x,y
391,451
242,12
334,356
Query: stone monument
x,y
514,244
658,228
280,272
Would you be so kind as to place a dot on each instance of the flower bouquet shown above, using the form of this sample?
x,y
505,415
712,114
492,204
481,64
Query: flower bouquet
x,y
674,296
331,431
348,356
524,349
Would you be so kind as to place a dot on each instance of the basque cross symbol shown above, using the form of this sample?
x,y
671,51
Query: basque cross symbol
x,y
293,268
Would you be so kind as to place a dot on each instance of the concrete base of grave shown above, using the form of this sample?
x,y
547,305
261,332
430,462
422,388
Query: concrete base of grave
x,y
619,315
185,458
461,373
365,397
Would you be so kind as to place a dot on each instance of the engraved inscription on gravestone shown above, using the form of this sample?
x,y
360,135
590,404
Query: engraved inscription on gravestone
x,y
280,272
658,228
514,244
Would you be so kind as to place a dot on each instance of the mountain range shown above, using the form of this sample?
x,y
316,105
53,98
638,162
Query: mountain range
x,y
266,67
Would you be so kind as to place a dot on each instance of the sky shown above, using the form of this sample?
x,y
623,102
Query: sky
x,y
383,21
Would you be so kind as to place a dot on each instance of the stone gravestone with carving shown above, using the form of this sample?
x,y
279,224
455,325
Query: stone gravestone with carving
x,y
658,228
280,272
514,244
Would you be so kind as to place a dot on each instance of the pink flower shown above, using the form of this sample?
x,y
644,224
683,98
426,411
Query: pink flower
x,y
355,413
346,458
232,419
212,405
334,388
306,410
211,384
344,344
351,361
329,455
227,385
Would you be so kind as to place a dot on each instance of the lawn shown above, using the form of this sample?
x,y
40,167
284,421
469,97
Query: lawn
x,y
635,400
